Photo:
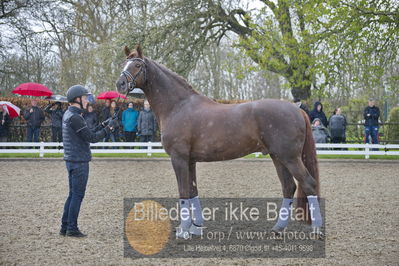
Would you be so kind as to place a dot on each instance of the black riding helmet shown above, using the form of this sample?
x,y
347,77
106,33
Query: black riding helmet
x,y
76,91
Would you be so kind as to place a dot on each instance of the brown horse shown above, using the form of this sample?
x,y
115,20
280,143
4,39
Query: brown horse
x,y
195,128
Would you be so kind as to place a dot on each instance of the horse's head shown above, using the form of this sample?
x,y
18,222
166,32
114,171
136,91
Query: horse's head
x,y
134,73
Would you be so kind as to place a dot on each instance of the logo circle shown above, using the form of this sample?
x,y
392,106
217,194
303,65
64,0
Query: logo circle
x,y
147,231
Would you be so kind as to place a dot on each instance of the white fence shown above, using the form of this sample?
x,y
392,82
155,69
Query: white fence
x,y
156,147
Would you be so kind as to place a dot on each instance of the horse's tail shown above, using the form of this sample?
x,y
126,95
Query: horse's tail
x,y
309,159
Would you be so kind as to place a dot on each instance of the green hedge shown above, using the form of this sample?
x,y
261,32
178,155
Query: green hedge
x,y
392,131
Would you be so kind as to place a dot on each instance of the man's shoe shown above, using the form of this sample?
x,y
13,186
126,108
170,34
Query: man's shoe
x,y
75,234
63,232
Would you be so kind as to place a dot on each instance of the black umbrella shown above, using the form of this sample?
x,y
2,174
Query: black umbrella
x,y
138,93
57,98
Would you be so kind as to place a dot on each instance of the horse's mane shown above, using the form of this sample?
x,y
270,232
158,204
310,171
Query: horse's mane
x,y
178,77
138,53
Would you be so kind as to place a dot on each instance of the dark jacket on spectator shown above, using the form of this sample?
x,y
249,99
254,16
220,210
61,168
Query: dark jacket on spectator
x,y
56,115
305,108
371,115
337,126
36,118
302,106
146,123
320,133
4,127
320,115
119,118
91,119
105,113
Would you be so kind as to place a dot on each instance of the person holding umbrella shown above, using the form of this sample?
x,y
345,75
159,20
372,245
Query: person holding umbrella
x,y
106,111
56,120
77,155
108,96
5,121
34,117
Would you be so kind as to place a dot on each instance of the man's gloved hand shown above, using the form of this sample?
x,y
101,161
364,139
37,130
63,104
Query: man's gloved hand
x,y
113,123
106,122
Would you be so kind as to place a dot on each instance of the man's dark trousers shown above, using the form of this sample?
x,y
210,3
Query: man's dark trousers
x,y
78,174
32,134
56,134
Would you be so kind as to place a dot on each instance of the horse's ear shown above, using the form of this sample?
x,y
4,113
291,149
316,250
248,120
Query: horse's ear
x,y
127,51
139,51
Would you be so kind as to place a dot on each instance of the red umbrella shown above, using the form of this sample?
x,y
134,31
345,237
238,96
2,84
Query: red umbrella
x,y
110,95
32,89
12,110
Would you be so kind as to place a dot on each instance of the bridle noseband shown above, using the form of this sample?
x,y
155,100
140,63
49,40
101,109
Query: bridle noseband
x,y
131,84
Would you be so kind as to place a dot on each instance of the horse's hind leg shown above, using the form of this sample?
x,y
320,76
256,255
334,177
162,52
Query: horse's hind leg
x,y
288,186
308,185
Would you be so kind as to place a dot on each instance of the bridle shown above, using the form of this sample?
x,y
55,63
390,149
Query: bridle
x,y
131,80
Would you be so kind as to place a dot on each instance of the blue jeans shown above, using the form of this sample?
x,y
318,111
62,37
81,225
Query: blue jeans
x,y
78,174
32,133
373,132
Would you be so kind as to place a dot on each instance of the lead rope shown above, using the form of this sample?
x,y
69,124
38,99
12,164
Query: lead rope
x,y
116,114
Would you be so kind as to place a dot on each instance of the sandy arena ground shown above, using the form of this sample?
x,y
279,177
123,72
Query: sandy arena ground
x,y
362,209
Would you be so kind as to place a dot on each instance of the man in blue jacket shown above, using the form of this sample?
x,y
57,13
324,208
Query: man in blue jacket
x,y
371,114
76,139
129,122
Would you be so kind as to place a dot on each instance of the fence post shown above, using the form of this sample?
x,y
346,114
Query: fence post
x,y
367,151
149,148
41,151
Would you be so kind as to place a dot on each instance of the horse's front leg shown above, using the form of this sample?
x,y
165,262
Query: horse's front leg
x,y
181,167
197,219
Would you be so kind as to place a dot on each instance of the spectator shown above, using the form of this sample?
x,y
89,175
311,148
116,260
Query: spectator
x,y
317,112
5,121
371,114
56,120
91,117
129,122
114,110
320,133
35,117
146,124
302,106
337,126
106,112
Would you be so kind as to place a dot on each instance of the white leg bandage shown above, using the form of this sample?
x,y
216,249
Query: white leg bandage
x,y
196,211
185,219
284,215
315,213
